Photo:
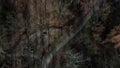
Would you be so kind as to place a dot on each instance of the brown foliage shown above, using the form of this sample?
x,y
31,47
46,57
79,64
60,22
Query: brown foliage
x,y
114,36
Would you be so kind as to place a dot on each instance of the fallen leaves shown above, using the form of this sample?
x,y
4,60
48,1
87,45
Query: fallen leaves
x,y
116,39
117,45
115,36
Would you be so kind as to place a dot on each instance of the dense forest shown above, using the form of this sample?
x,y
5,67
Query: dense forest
x,y
59,33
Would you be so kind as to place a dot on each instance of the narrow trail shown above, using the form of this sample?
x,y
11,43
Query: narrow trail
x,y
47,59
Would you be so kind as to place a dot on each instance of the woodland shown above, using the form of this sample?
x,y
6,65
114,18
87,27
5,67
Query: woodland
x,y
59,33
